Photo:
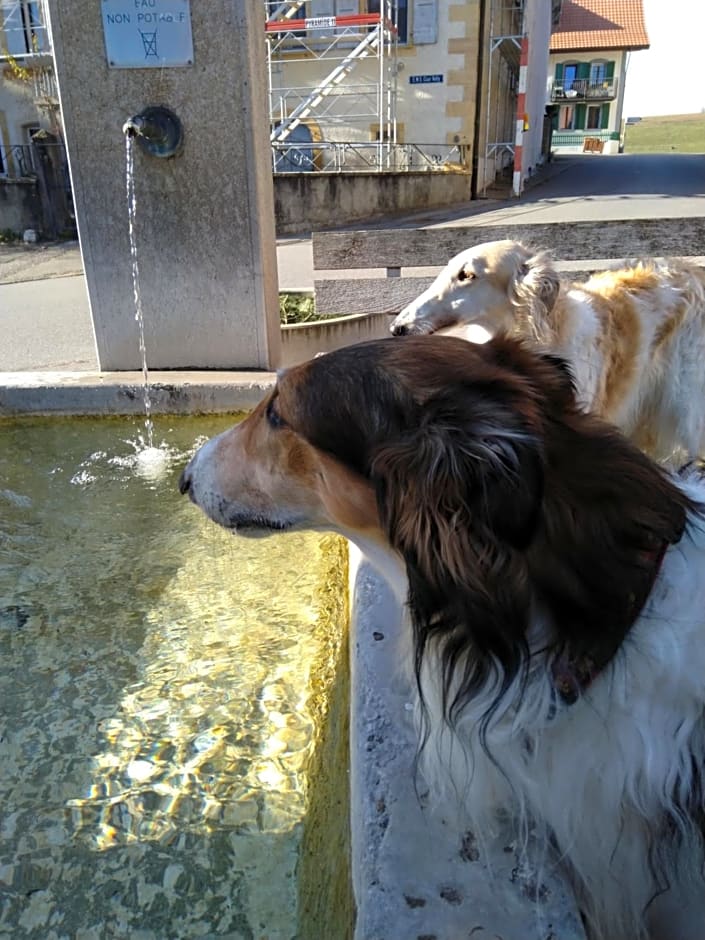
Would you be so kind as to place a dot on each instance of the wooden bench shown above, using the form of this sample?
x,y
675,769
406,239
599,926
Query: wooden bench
x,y
379,264
592,145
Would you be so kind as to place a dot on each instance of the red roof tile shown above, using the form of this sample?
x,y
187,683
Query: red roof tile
x,y
586,25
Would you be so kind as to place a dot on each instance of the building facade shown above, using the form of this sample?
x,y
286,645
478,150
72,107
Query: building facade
x,y
455,85
35,189
590,51
355,86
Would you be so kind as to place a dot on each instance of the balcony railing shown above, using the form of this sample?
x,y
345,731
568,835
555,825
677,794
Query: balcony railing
x,y
577,138
17,161
582,89
21,161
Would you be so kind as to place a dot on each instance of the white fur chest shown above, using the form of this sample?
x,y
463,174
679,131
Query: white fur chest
x,y
581,343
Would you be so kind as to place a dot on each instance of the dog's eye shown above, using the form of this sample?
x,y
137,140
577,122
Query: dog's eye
x,y
273,417
465,275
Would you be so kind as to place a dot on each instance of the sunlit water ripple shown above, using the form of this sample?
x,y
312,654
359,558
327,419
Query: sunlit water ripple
x,y
155,678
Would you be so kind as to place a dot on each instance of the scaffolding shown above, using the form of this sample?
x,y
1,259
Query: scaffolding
x,y
332,85
506,29
26,45
23,28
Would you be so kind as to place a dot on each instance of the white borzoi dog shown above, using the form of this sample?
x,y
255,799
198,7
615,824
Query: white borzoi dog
x,y
634,338
556,597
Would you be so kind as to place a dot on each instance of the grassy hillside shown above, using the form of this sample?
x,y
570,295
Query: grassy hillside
x,y
671,133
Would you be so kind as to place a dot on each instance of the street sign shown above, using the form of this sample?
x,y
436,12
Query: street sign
x,y
147,34
425,79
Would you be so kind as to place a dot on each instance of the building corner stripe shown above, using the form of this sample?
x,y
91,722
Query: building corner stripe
x,y
521,114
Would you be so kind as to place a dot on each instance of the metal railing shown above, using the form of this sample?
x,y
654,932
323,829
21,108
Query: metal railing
x,y
576,138
582,89
20,161
16,161
364,157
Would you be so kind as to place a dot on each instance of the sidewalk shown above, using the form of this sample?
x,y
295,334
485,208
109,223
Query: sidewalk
x,y
20,263
23,263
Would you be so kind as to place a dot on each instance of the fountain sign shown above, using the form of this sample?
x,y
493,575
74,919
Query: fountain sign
x,y
144,34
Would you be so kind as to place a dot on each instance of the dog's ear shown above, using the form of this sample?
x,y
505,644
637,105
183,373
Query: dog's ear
x,y
460,498
461,488
536,280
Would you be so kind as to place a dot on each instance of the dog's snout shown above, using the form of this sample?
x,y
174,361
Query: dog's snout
x,y
399,329
185,481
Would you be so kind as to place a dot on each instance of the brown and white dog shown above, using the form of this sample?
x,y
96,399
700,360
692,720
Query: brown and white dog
x,y
555,579
634,338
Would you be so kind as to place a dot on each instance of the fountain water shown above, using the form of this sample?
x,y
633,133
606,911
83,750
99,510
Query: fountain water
x,y
171,765
151,461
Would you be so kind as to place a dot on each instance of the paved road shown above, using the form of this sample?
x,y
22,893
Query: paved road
x,y
44,323
630,175
585,188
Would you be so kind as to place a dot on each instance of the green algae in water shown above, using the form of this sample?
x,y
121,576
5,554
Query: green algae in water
x,y
164,693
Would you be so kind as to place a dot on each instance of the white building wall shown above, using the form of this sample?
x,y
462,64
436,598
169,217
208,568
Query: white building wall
x,y
18,114
537,24
26,78
422,105
620,58
437,75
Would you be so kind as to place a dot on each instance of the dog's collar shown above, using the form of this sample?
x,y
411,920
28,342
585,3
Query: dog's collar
x,y
574,674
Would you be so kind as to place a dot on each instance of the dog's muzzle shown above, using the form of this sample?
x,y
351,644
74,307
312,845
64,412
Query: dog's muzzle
x,y
418,328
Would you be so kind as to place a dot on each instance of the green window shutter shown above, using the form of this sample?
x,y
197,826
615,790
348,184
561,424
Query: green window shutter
x,y
609,71
559,71
580,117
583,70
605,117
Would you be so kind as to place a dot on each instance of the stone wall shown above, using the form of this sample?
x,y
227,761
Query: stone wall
x,y
20,205
306,201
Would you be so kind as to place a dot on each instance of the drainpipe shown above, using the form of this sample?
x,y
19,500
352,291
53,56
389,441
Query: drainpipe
x,y
477,136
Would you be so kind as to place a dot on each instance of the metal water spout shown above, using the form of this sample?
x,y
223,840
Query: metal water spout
x,y
158,131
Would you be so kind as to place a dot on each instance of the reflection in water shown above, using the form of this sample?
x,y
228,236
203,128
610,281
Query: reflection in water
x,y
158,679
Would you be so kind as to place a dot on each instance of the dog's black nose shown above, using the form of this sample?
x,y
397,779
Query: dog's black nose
x,y
184,482
399,330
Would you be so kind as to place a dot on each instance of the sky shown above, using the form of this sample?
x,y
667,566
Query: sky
x,y
668,77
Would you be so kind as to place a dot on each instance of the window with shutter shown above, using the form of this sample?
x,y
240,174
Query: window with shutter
x,y
348,7
425,23
598,72
374,6
594,113
322,7
566,121
23,26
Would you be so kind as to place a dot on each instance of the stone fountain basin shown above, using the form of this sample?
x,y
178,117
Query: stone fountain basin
x,y
413,873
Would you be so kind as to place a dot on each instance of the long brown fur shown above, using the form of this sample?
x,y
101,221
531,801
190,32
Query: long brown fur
x,y
558,666
496,488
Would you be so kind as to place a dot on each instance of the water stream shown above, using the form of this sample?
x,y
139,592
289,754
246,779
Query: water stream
x,y
151,460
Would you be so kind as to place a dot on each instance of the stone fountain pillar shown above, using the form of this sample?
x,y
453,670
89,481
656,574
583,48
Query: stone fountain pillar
x,y
205,217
